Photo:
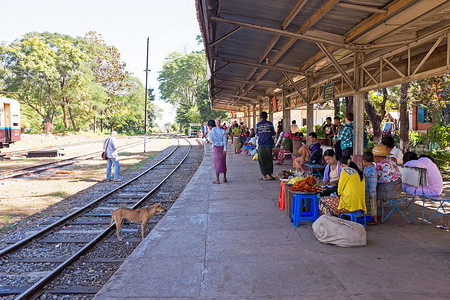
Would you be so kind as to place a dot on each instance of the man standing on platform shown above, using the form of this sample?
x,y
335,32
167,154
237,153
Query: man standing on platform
x,y
346,136
265,133
218,139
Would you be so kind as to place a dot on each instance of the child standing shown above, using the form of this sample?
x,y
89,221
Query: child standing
x,y
370,173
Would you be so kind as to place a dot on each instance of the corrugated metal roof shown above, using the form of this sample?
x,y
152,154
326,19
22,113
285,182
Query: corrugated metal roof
x,y
259,44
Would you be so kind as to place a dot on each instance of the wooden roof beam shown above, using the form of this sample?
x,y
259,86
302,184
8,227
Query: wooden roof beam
x,y
260,66
226,35
337,65
262,83
295,86
293,35
363,7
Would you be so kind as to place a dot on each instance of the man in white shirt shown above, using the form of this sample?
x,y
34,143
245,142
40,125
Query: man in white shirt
x,y
389,143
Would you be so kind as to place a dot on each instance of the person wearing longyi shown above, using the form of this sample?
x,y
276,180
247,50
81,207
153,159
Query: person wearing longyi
x,y
218,139
265,133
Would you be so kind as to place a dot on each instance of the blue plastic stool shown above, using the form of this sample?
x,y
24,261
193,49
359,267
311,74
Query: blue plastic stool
x,y
306,202
356,216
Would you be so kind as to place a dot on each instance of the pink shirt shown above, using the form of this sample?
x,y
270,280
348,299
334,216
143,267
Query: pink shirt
x,y
435,184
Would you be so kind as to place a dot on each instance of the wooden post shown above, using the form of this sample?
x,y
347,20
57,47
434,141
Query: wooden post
x,y
286,114
358,107
309,108
270,109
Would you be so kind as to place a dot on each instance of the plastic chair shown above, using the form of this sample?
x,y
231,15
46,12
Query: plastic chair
x,y
282,195
305,207
358,216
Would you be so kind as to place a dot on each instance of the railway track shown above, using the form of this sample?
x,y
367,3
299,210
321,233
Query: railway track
x,y
57,164
42,262
23,152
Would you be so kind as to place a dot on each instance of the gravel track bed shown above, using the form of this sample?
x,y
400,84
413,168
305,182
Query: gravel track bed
x,y
95,268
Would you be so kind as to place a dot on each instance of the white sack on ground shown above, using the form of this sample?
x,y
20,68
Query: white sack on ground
x,y
340,232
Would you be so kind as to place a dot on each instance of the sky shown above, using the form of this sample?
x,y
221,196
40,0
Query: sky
x,y
171,26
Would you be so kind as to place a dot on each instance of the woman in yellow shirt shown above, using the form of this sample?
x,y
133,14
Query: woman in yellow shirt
x,y
351,191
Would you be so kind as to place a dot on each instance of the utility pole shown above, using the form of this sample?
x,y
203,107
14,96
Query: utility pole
x,y
146,93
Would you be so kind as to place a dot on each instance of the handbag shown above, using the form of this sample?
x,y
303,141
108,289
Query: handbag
x,y
104,152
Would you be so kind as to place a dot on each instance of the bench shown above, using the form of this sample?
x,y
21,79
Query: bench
x,y
314,169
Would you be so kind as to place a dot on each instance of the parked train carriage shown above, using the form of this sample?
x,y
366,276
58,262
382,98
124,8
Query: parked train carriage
x,y
9,121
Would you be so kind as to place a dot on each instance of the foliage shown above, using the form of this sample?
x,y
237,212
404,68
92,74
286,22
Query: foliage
x,y
320,133
439,135
434,93
60,78
183,83
441,158
180,77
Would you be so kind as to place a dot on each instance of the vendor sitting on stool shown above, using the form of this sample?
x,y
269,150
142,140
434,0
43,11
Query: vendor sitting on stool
x,y
286,147
311,155
389,182
350,190
331,174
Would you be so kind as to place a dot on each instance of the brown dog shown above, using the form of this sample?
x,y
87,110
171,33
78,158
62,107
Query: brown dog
x,y
138,216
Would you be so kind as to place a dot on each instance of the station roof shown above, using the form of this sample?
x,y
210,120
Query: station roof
x,y
258,49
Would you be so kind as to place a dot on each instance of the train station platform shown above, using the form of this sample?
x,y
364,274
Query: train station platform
x,y
231,241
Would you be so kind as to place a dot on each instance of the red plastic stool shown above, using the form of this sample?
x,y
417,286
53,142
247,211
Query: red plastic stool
x,y
281,198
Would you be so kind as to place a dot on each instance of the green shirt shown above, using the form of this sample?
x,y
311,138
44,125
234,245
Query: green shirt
x,y
287,144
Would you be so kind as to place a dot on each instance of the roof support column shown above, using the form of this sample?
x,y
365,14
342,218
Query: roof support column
x,y
270,109
309,108
248,117
358,107
286,113
254,117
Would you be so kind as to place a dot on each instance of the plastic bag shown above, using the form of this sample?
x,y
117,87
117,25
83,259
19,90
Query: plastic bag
x,y
255,157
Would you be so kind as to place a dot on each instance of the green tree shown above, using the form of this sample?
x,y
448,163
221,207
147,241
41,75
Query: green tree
x,y
180,76
108,71
44,70
434,93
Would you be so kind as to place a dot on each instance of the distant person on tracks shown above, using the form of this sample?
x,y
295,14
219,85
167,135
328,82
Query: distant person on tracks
x,y
110,147
218,139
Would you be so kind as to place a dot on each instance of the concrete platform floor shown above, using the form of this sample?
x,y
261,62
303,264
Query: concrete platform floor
x,y
231,241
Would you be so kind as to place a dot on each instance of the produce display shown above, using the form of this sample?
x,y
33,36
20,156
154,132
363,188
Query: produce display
x,y
309,184
284,174
295,179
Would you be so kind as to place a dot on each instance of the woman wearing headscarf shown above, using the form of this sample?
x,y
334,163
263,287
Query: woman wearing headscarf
x,y
351,191
218,139
435,184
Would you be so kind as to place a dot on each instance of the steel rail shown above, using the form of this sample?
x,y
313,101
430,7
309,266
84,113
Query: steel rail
x,y
57,164
78,212
34,288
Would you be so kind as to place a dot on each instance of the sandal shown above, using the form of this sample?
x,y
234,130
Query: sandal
x,y
271,178
264,179
372,223
215,182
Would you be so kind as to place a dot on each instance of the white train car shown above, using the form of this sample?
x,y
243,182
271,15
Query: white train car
x,y
9,121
